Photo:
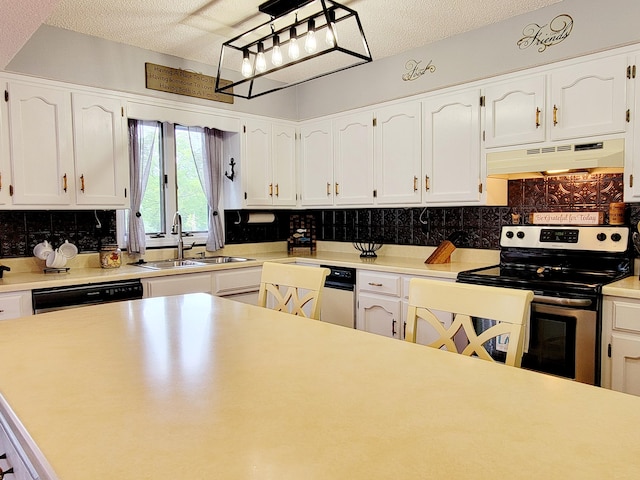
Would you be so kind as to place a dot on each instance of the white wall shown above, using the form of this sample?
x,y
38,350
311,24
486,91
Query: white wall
x,y
598,25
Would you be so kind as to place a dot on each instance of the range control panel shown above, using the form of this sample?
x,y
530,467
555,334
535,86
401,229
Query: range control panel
x,y
599,238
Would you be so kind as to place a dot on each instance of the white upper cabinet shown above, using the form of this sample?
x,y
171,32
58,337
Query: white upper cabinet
x,y
269,164
353,159
5,164
451,144
101,153
588,99
67,149
283,141
514,112
582,100
632,157
41,144
398,154
316,164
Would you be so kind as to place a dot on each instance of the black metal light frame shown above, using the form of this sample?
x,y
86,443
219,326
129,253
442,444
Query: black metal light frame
x,y
277,9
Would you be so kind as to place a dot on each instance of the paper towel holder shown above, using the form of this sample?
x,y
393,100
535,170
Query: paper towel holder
x,y
232,164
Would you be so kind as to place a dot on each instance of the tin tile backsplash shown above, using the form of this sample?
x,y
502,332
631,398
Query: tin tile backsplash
x,y
20,231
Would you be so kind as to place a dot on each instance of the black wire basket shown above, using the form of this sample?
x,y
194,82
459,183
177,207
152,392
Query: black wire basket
x,y
367,249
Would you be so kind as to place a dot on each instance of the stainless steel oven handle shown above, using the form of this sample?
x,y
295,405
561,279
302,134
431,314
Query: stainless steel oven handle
x,y
566,302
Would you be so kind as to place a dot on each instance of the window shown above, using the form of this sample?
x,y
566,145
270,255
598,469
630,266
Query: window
x,y
173,161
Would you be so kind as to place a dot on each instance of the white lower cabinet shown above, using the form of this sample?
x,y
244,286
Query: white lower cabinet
x,y
14,464
177,284
621,344
382,305
15,304
240,284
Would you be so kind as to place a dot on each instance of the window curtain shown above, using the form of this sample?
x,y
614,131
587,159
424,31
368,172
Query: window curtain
x,y
210,174
140,156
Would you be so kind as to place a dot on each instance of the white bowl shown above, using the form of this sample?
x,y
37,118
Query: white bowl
x,y
42,250
69,250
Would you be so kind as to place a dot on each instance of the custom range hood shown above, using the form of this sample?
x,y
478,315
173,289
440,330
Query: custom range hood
x,y
595,157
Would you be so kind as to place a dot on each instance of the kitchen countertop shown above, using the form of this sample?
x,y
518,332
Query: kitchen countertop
x,y
201,387
409,260
627,287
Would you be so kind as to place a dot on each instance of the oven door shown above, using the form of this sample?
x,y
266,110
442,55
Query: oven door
x,y
562,338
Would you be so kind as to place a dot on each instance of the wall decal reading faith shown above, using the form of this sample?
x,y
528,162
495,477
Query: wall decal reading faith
x,y
546,35
415,69
182,82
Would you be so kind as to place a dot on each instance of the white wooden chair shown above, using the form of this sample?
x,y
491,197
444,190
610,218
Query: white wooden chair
x,y
509,308
290,288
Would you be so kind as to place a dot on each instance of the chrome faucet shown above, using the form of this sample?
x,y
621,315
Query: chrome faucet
x,y
177,230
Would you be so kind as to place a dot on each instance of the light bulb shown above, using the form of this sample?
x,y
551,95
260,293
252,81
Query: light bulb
x,y
330,39
247,70
294,49
310,44
276,52
261,61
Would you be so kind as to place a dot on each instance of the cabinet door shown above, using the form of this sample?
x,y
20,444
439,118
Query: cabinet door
x,y
177,285
41,145
632,152
256,163
283,157
625,363
514,112
15,305
379,315
398,154
102,170
589,99
452,147
5,164
316,164
353,159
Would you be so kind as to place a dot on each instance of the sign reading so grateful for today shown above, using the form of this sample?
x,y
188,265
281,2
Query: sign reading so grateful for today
x,y
566,218
182,82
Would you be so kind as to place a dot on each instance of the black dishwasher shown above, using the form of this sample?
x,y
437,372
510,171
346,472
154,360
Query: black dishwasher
x,y
58,298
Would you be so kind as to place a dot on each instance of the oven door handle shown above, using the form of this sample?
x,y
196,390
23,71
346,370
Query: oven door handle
x,y
565,302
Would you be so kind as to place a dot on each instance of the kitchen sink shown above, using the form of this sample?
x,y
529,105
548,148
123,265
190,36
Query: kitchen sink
x,y
221,259
168,264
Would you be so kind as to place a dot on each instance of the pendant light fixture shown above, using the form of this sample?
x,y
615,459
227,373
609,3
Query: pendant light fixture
x,y
295,21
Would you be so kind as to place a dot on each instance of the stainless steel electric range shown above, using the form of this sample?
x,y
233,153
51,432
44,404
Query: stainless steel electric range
x,y
566,267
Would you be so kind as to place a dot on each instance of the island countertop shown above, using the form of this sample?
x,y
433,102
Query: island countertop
x,y
199,387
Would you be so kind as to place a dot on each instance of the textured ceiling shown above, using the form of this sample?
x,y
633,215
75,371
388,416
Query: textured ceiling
x,y
195,29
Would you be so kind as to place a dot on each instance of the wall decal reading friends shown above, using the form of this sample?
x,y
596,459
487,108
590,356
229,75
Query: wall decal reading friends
x,y
415,69
546,35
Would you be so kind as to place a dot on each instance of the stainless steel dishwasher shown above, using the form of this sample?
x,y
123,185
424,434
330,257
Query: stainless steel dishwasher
x,y
59,298
338,297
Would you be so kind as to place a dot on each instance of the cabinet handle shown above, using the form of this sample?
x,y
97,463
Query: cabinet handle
x,y
337,189
0,181
277,190
555,115
426,183
373,284
328,189
4,472
82,183
271,189
415,183
64,187
393,328
537,117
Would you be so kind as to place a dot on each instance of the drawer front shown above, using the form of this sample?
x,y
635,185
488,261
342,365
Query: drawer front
x,y
626,316
238,280
382,283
